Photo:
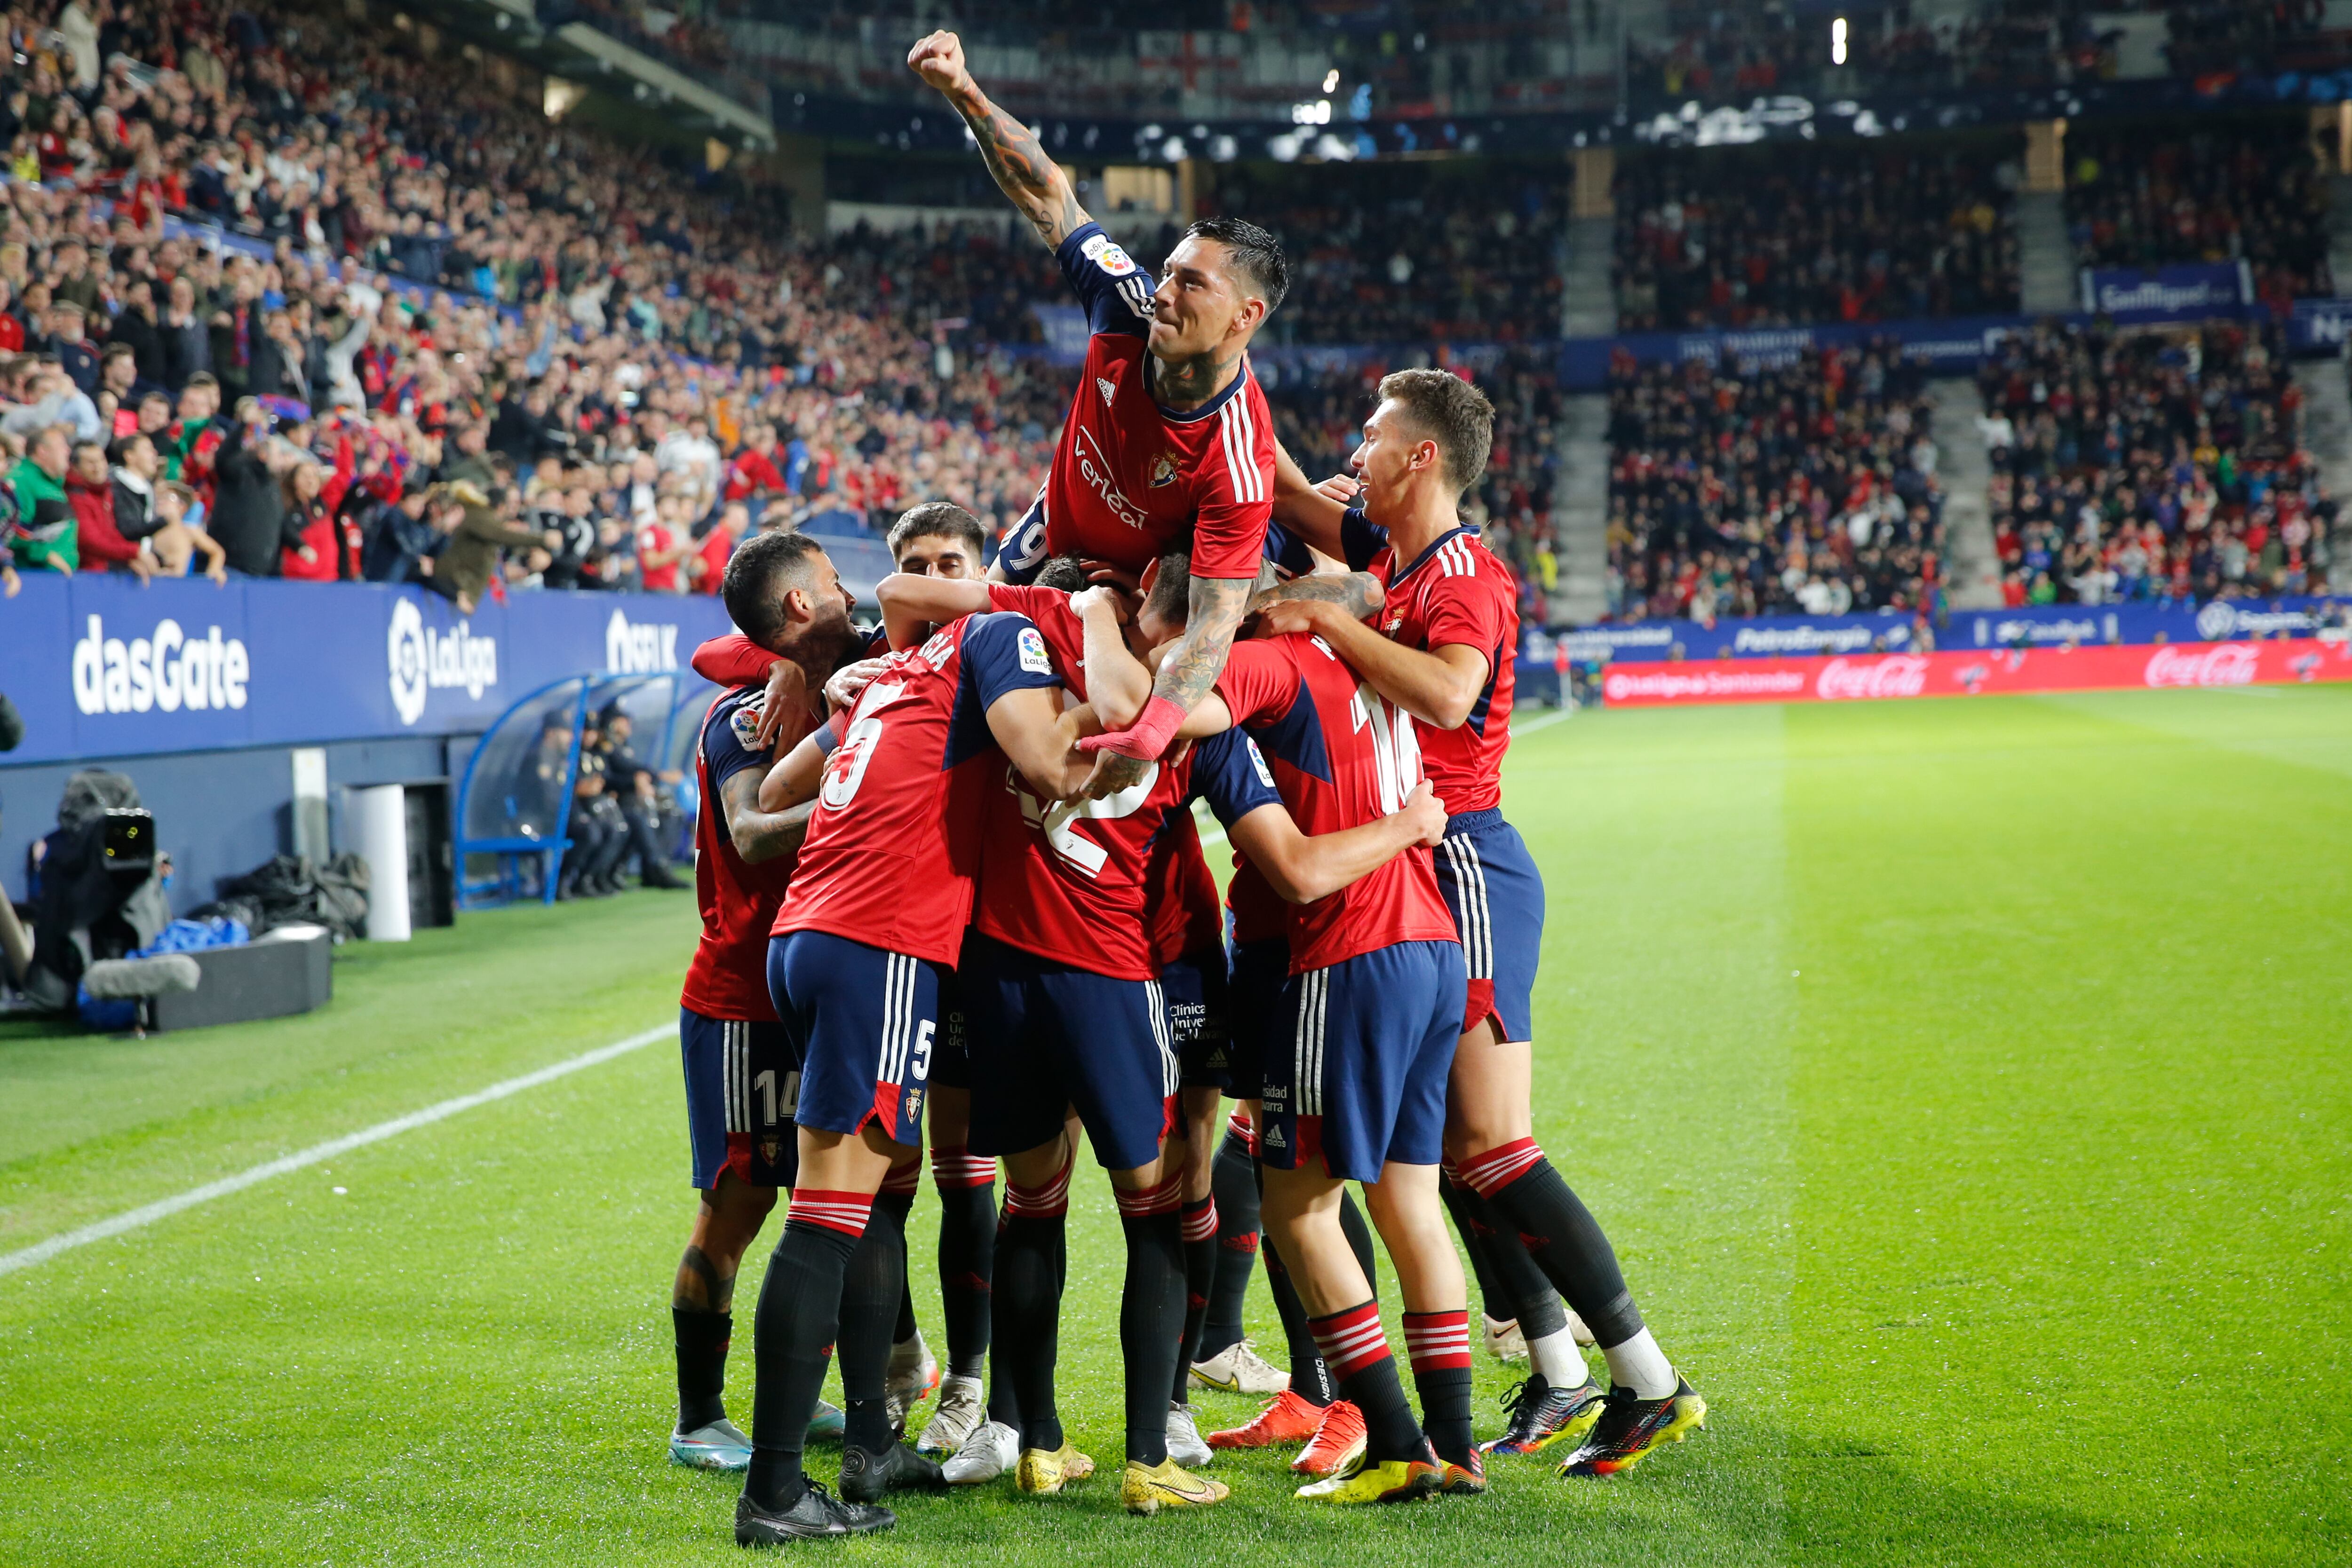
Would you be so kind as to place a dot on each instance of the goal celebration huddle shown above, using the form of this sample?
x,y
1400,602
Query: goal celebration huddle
x,y
953,895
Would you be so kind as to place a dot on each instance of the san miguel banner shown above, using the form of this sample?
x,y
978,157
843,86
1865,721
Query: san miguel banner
x,y
1978,673
102,667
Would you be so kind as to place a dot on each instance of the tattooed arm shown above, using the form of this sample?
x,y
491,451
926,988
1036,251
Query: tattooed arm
x,y
761,835
1357,592
1190,668
1035,182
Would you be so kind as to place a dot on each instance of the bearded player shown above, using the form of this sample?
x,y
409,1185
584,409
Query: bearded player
x,y
1169,441
742,1074
1442,653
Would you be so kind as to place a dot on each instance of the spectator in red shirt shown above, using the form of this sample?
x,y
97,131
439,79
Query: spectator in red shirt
x,y
707,567
661,545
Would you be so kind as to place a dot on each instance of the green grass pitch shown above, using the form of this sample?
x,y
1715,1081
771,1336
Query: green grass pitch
x,y
1964,1085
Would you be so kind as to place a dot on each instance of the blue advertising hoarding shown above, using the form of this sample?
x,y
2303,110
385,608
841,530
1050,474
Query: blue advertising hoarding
x,y
2199,287
102,667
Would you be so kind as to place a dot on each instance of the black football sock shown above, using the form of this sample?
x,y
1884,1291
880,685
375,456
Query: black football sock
x,y
1438,1344
702,1340
1151,1312
1197,1225
1510,1287
793,1332
1309,1378
1031,1260
1360,1237
1559,1234
966,1184
870,1291
1358,1353
1467,1210
899,1199
1234,1184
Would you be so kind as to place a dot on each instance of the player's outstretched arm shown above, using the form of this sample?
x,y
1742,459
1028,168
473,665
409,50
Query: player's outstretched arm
x,y
1301,869
911,603
1032,182
1185,677
1028,726
1439,687
761,835
1118,685
793,780
1357,592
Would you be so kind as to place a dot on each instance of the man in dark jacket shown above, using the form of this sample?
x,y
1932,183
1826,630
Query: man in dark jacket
x,y
398,534
187,341
248,508
142,330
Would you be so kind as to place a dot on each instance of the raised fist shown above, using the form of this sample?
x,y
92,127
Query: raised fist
x,y
939,60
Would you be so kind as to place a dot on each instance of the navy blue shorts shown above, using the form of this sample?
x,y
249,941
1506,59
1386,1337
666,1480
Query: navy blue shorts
x,y
865,1020
1254,1003
1045,1037
1370,1043
1491,884
743,1081
951,1052
1200,1025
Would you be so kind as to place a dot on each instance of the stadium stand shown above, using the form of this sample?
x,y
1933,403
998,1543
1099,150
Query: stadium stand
x,y
1745,489
1758,238
2152,467
2223,190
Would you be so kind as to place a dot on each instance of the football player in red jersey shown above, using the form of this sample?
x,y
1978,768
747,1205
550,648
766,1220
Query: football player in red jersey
x,y
876,911
1168,441
1448,634
741,1072
1372,1006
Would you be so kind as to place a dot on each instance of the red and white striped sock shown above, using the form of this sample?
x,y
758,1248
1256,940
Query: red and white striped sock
x,y
954,1166
1201,1221
846,1212
1046,1201
1498,1167
903,1180
1350,1341
1165,1198
1438,1341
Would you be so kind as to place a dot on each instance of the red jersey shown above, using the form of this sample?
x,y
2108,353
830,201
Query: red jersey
x,y
1132,480
1340,758
888,860
729,977
1459,591
1257,910
1181,916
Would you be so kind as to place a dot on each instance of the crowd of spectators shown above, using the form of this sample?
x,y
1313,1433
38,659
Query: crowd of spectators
x,y
1806,486
2155,464
1765,237
592,334
2225,191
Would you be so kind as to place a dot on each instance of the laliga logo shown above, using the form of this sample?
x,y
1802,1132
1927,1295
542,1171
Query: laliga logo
x,y
2217,622
633,650
1903,675
2223,664
421,660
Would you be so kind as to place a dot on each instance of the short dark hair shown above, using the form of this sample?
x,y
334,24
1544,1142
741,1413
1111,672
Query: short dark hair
x,y
1454,415
1064,573
763,568
939,519
1172,590
1257,252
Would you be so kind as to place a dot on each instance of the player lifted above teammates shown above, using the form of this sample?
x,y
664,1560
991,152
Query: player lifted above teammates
x,y
1168,435
1450,631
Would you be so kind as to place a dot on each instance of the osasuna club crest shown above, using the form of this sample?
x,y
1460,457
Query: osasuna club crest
x,y
1163,469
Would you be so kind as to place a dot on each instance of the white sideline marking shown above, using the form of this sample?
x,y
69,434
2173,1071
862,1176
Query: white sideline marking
x,y
1212,835
164,1209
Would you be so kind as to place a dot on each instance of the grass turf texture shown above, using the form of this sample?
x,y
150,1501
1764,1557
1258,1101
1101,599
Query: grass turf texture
x,y
1962,1084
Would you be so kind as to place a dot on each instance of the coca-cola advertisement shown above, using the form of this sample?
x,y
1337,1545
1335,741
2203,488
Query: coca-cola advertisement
x,y
1978,673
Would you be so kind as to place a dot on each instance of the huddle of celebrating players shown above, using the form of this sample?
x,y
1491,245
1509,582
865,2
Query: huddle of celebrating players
x,y
957,876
